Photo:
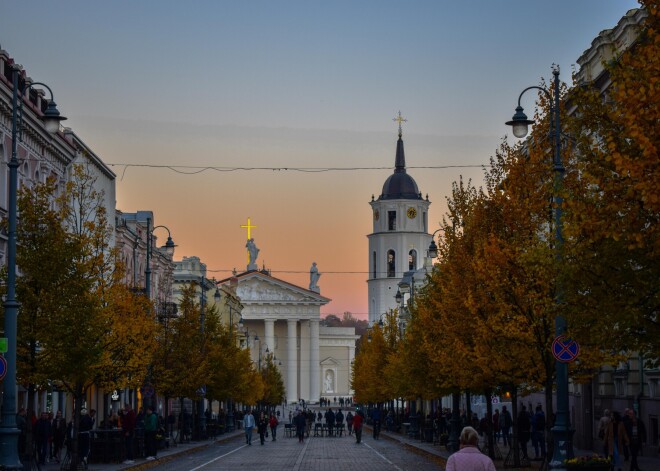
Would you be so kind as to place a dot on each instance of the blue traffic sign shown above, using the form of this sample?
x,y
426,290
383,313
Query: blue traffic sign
x,y
3,367
565,350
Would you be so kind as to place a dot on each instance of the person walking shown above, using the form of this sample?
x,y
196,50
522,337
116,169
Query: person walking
x,y
616,437
358,420
330,421
523,427
538,433
59,432
603,423
339,421
248,425
150,430
636,432
128,421
469,457
505,425
43,433
300,422
496,425
349,422
273,423
375,417
262,427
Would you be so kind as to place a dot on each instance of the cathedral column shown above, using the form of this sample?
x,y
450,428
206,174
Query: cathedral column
x,y
269,334
351,357
315,362
304,360
292,361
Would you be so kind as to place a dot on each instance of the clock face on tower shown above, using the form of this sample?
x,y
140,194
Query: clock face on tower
x,y
376,215
412,212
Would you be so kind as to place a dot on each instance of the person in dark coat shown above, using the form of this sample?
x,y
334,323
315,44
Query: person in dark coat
x,y
262,426
300,422
524,430
59,433
330,421
43,432
636,432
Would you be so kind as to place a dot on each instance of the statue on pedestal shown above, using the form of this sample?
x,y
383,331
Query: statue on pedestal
x,y
253,251
314,276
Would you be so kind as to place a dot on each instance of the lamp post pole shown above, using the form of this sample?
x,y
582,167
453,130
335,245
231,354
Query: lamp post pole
x,y
169,247
9,458
201,418
562,434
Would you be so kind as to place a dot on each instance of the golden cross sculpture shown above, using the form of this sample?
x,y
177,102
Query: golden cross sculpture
x,y
400,119
248,226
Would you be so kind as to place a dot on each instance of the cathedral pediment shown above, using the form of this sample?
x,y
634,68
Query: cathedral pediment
x,y
260,288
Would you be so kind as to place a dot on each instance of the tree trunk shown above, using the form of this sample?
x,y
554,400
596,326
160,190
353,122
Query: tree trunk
x,y
78,394
514,432
489,423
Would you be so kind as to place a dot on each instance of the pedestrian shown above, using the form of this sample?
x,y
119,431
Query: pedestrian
x,y
43,432
603,423
262,427
273,427
636,432
59,432
358,419
339,421
330,421
375,417
84,438
300,422
523,426
616,437
469,457
21,425
496,425
538,433
128,420
319,417
150,431
505,425
349,422
248,425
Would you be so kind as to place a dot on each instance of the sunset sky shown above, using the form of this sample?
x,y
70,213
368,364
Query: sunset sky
x,y
292,84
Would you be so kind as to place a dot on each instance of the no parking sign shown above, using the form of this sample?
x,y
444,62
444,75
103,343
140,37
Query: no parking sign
x,y
3,367
565,350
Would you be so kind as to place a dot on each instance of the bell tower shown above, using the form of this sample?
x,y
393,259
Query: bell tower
x,y
400,237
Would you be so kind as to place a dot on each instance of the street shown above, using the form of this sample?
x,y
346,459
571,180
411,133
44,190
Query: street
x,y
317,453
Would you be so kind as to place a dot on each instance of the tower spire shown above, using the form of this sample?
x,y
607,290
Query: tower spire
x,y
400,160
400,119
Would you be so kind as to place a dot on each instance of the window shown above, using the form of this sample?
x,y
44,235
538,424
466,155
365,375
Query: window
x,y
391,264
412,260
426,229
373,265
391,220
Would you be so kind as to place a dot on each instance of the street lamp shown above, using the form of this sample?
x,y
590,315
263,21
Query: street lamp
x,y
202,390
433,248
169,250
562,434
9,458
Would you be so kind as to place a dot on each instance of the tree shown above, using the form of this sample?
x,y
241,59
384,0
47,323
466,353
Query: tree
x,y
67,239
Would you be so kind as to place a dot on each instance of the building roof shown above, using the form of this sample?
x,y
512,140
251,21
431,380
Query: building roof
x,y
400,185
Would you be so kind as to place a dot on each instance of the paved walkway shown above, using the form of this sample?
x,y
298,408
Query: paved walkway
x,y
317,453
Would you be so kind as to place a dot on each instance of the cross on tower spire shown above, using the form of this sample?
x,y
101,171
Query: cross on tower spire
x,y
400,119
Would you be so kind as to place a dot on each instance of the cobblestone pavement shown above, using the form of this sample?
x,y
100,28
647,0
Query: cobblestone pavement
x,y
315,454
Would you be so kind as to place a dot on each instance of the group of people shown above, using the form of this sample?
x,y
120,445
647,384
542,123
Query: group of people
x,y
341,402
622,435
262,422
530,425
49,434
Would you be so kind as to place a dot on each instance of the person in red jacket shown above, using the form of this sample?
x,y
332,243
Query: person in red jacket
x,y
273,426
358,419
128,420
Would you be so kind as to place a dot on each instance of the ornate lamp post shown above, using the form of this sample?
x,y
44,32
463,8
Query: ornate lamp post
x,y
9,458
230,407
169,249
562,434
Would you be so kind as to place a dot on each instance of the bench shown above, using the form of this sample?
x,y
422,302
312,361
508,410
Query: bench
x,y
289,430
